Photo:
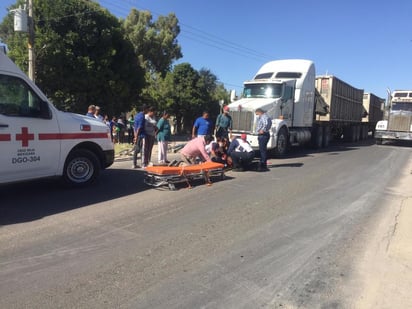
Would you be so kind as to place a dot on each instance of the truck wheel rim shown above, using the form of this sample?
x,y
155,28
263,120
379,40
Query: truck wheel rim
x,y
281,143
80,170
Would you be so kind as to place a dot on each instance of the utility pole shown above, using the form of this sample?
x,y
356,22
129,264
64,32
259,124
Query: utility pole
x,y
32,59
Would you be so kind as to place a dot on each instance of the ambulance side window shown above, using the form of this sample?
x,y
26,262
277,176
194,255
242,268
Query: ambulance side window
x,y
17,99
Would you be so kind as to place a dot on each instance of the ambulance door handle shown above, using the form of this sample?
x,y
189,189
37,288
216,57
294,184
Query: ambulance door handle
x,y
4,125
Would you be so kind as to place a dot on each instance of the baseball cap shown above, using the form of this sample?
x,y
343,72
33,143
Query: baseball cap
x,y
226,108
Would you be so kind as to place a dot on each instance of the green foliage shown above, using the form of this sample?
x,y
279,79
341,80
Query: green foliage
x,y
82,56
155,43
187,93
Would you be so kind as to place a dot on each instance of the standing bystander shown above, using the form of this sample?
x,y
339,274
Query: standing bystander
x,y
97,114
112,126
139,134
224,124
202,126
91,110
263,126
163,137
130,129
150,136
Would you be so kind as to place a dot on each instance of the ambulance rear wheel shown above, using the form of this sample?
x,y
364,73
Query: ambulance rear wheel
x,y
82,167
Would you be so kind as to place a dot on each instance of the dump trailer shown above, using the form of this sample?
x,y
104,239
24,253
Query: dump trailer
x,y
305,109
345,103
398,125
373,112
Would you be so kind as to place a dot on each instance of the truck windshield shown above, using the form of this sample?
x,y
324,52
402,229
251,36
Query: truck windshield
x,y
262,91
402,106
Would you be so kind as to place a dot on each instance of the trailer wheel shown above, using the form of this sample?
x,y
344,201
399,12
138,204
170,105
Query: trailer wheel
x,y
349,134
282,144
82,167
357,133
317,138
362,133
326,136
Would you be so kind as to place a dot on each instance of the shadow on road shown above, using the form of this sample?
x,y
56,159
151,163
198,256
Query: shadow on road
x,y
397,143
335,147
33,200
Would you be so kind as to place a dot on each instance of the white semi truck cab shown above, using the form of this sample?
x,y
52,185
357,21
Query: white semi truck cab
x,y
37,140
398,125
285,89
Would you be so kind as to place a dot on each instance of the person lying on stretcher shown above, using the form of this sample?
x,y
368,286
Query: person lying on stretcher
x,y
196,148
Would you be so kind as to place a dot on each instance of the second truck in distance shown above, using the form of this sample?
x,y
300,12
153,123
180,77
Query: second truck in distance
x,y
304,108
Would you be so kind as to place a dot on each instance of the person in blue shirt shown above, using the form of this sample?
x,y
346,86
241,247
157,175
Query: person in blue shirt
x,y
112,125
91,110
202,126
139,133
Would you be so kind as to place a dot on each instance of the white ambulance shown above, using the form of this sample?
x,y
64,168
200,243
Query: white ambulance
x,y
37,140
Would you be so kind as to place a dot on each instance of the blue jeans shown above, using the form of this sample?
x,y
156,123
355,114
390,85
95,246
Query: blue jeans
x,y
263,140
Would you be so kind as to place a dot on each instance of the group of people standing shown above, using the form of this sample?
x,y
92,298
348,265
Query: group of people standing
x,y
118,126
93,111
146,131
203,126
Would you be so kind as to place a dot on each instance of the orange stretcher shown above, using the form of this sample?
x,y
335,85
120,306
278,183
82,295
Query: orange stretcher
x,y
157,176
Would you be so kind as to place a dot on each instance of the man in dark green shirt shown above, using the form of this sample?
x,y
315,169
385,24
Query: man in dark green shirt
x,y
224,124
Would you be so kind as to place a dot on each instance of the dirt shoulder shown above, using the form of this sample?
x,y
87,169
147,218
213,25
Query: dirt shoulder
x,y
384,273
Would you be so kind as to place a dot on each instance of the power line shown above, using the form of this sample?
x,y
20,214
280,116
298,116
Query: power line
x,y
192,33
201,36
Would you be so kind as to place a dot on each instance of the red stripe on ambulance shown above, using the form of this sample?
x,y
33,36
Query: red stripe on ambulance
x,y
5,137
61,136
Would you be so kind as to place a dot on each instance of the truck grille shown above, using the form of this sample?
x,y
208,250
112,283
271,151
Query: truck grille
x,y
242,120
400,121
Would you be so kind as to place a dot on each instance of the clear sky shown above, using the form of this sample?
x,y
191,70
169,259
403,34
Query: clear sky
x,y
366,43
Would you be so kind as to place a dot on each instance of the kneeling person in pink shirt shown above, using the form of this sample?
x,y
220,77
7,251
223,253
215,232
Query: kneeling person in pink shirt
x,y
196,148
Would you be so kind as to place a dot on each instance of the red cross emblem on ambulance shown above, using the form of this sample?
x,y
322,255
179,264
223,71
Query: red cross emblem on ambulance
x,y
24,137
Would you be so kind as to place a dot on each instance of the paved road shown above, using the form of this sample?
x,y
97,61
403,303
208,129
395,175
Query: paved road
x,y
282,239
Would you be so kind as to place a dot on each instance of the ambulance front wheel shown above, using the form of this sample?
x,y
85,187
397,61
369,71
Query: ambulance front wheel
x,y
82,167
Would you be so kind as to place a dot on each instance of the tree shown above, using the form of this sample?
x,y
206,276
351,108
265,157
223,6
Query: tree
x,y
187,93
83,56
155,43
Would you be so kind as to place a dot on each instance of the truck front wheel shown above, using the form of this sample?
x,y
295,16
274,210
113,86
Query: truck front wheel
x,y
282,143
81,168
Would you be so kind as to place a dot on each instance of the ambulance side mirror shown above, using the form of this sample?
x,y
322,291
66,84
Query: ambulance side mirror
x,y
45,110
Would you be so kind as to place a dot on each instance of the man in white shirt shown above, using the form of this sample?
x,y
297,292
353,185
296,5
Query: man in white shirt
x,y
241,152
